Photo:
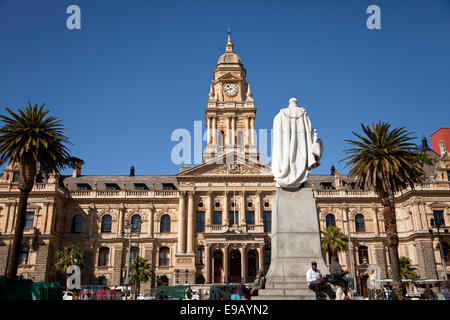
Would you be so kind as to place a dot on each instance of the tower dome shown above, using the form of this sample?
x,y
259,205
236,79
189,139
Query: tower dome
x,y
229,57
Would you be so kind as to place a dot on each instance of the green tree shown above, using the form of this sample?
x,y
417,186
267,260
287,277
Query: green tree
x,y
73,162
28,138
385,160
334,241
143,269
406,270
67,256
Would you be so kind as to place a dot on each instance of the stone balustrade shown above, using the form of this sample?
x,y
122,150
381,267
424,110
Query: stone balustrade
x,y
115,194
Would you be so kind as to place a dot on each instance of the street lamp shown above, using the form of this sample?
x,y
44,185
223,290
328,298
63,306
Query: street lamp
x,y
438,224
132,227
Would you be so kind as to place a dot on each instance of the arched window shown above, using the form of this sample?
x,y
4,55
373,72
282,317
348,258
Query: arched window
x,y
330,220
360,224
165,223
23,254
200,255
240,138
103,256
134,253
363,254
136,223
267,255
106,223
220,138
77,222
164,255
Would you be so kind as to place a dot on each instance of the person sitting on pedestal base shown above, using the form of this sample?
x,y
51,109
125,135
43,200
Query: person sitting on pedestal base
x,y
314,279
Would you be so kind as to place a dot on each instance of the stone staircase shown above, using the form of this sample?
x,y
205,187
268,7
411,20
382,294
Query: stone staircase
x,y
285,291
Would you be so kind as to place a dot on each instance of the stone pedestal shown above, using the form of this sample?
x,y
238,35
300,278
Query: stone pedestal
x,y
295,243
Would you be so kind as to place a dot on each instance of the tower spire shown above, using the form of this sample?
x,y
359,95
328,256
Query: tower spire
x,y
229,46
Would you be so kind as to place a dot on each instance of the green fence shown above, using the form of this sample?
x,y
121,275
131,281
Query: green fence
x,y
22,289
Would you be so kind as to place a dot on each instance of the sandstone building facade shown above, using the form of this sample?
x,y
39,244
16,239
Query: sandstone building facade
x,y
211,223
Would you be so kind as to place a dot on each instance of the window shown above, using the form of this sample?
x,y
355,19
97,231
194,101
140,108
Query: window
x,y
200,255
439,217
29,218
134,253
267,221
23,254
220,138
267,255
165,223
103,257
234,217
15,177
360,224
168,186
363,254
217,218
140,186
446,251
111,186
327,185
77,222
240,138
83,186
164,256
200,221
330,220
250,217
106,223
136,223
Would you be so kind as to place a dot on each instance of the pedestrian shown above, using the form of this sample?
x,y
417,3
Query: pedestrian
x,y
446,293
343,292
315,283
338,274
259,283
236,295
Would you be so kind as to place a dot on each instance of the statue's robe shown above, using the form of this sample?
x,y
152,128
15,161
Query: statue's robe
x,y
296,149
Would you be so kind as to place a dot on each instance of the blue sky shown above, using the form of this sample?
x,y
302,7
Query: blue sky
x,y
137,70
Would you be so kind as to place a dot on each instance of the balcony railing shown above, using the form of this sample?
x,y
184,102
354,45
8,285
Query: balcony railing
x,y
147,194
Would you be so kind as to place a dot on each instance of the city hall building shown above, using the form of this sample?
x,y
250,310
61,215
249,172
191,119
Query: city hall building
x,y
211,223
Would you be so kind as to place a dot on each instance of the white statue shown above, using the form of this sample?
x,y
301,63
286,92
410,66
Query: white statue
x,y
296,147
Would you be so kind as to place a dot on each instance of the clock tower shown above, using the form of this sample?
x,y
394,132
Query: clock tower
x,y
230,111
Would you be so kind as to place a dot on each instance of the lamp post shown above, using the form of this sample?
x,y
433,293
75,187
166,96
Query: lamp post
x,y
438,224
126,281
136,228
350,249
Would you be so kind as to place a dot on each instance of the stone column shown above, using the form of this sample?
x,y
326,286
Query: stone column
x,y
258,212
225,213
209,211
243,251
152,221
208,129
375,219
416,214
226,267
247,135
191,223
208,262
380,259
181,223
243,209
121,210
214,130
233,130
261,257
92,222
252,130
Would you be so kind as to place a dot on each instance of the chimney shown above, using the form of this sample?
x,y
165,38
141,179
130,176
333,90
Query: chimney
x,y
442,148
77,170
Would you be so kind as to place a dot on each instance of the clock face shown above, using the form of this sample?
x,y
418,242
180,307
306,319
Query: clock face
x,y
230,89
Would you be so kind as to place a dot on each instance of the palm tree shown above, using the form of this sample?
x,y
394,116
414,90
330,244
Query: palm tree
x,y
144,272
384,160
406,270
29,138
67,256
334,241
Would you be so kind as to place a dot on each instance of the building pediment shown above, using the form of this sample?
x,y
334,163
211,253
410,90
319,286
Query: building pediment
x,y
438,205
228,76
229,164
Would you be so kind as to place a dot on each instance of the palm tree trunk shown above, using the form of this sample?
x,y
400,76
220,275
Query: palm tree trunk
x,y
392,240
18,236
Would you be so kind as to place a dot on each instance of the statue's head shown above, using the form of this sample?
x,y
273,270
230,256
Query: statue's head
x,y
293,102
